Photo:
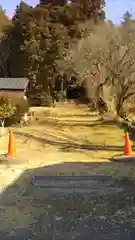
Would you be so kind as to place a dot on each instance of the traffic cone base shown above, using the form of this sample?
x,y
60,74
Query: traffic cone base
x,y
11,145
127,148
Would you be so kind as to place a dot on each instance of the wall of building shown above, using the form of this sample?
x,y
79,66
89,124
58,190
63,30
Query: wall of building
x,y
20,94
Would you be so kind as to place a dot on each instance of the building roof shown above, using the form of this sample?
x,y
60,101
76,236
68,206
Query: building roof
x,y
13,83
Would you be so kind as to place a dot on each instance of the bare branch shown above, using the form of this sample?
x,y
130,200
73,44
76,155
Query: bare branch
x,y
104,58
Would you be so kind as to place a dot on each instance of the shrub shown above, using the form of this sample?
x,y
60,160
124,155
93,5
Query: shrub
x,y
60,96
21,107
12,109
46,100
7,108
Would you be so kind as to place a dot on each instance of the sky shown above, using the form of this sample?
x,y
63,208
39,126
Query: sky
x,y
114,8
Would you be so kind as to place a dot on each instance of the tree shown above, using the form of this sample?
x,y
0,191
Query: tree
x,y
127,17
104,63
45,42
127,28
12,109
4,20
35,44
91,8
40,37
21,108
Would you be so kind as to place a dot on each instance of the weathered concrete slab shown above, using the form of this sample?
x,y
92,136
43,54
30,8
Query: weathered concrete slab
x,y
69,181
99,185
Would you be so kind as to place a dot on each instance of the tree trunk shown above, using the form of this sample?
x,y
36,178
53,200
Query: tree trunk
x,y
2,123
2,129
120,110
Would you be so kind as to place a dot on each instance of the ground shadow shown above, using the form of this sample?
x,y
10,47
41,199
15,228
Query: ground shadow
x,y
102,122
81,123
70,123
91,147
69,145
34,213
85,115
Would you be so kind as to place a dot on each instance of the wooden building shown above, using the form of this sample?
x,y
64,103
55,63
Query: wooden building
x,y
14,86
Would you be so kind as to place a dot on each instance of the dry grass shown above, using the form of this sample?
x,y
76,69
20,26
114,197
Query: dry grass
x,y
79,129
66,132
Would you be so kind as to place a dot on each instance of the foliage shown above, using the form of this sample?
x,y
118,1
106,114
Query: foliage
x,y
7,107
54,43
21,107
91,8
127,17
4,21
12,109
40,37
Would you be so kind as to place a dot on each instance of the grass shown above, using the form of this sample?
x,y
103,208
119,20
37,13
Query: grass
x,y
81,130
66,132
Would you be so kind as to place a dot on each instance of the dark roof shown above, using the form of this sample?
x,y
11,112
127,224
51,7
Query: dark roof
x,y
14,83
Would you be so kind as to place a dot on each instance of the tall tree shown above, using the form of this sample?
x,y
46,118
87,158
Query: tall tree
x,y
39,39
91,8
106,66
4,21
16,33
127,17
35,44
127,28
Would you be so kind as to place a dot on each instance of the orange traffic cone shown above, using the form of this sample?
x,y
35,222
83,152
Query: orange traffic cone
x,y
11,145
127,148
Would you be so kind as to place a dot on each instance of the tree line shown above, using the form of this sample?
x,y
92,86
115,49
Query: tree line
x,y
57,45
39,37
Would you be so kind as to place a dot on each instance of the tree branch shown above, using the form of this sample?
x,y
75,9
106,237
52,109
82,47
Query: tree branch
x,y
128,95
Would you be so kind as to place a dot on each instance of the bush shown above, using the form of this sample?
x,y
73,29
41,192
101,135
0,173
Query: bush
x,y
60,96
12,109
7,108
22,107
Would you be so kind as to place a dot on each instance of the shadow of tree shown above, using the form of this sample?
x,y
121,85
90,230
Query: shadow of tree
x,y
29,212
80,122
91,147
106,123
85,115
70,123
71,146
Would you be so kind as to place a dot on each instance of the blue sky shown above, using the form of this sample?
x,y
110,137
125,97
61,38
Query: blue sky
x,y
114,8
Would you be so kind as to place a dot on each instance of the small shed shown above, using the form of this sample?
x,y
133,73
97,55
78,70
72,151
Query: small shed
x,y
14,86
